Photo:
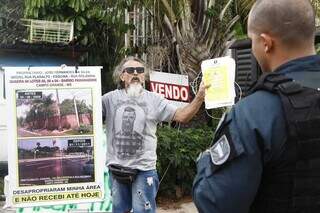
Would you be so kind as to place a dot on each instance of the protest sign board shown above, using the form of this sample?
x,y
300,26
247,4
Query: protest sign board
x,y
54,118
3,123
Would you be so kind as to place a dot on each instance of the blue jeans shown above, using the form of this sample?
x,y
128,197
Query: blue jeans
x,y
139,196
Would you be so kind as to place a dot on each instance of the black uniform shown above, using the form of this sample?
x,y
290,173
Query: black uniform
x,y
266,158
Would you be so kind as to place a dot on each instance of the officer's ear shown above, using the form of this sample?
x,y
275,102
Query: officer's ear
x,y
267,42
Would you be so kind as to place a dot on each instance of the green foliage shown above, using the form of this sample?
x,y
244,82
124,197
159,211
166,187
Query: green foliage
x,y
316,5
83,129
179,150
239,31
242,8
25,154
318,48
67,107
194,31
80,12
38,152
10,28
98,25
41,109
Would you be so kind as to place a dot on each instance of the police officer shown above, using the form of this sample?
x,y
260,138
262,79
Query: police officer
x,y
266,153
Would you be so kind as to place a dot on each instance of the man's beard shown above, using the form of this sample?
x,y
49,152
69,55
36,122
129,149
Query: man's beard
x,y
134,90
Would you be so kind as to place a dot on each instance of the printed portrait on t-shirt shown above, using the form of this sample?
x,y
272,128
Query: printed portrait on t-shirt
x,y
128,136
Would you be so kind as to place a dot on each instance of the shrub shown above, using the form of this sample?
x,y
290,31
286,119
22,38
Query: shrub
x,y
179,149
83,129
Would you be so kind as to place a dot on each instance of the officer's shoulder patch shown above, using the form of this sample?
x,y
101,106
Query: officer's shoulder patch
x,y
220,151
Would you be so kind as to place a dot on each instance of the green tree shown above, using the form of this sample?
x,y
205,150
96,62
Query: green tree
x,y
83,108
194,31
31,117
41,109
99,25
242,8
67,107
45,108
10,27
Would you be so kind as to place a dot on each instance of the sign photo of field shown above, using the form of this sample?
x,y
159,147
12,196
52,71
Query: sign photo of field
x,y
55,161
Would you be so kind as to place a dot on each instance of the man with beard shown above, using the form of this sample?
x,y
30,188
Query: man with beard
x,y
132,114
265,157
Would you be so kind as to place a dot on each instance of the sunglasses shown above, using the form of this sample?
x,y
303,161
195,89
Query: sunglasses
x,y
130,70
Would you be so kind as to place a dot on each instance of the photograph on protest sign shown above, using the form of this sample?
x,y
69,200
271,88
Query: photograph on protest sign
x,y
56,112
55,161
54,118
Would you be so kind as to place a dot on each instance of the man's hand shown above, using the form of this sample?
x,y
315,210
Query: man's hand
x,y
202,90
186,113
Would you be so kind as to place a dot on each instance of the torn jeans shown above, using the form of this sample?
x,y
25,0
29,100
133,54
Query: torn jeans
x,y
140,196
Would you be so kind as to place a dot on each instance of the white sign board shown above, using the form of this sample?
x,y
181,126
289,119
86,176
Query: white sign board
x,y
173,87
3,132
54,121
1,84
220,74
3,121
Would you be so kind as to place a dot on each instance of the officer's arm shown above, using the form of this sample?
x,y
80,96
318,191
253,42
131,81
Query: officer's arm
x,y
256,133
230,189
229,176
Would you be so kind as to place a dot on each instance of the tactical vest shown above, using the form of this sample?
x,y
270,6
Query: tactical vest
x,y
291,184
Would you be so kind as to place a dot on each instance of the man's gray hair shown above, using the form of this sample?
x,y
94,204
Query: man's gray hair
x,y
119,69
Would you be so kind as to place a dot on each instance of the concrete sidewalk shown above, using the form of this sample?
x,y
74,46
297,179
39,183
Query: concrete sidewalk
x,y
184,208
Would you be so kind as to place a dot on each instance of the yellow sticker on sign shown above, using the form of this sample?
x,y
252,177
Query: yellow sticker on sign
x,y
218,78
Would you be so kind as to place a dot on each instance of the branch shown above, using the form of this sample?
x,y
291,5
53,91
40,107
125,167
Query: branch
x,y
171,14
225,10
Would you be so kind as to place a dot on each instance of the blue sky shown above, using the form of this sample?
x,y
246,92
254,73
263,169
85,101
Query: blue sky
x,y
32,143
